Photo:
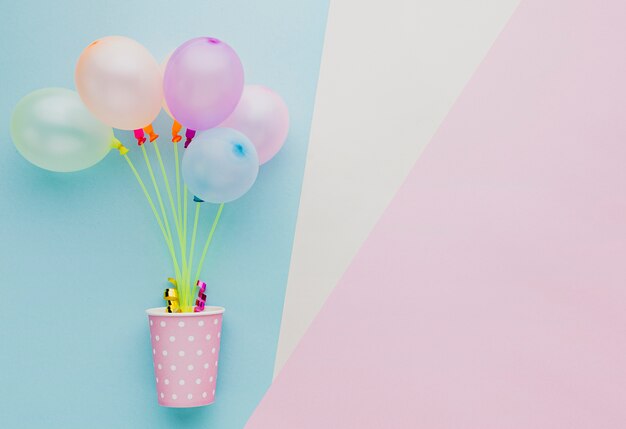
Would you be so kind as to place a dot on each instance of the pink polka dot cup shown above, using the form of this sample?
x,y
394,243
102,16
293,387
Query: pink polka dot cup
x,y
185,349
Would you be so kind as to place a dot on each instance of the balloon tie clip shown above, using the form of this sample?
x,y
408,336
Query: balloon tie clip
x,y
151,133
119,146
189,135
140,136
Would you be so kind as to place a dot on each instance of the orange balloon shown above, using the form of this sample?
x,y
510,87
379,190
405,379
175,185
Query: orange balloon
x,y
120,82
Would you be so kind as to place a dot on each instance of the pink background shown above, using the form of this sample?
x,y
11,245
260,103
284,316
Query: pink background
x,y
492,292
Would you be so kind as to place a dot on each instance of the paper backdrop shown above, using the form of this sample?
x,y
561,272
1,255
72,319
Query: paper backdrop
x,y
491,292
88,235
357,162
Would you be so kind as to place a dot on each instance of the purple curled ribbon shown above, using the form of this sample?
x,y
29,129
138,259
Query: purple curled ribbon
x,y
201,300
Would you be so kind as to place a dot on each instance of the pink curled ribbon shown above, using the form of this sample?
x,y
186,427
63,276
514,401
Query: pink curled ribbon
x,y
201,301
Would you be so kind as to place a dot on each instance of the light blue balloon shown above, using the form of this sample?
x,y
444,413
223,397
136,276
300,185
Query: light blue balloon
x,y
220,165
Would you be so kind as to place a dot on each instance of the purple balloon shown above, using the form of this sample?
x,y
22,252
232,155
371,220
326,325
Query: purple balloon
x,y
203,82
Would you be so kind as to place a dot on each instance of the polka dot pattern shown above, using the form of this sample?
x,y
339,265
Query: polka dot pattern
x,y
185,356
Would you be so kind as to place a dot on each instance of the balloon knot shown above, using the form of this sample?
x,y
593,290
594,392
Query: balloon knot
x,y
176,127
140,136
119,146
151,133
189,134
197,200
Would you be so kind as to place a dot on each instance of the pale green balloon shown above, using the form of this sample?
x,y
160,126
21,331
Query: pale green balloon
x,y
53,129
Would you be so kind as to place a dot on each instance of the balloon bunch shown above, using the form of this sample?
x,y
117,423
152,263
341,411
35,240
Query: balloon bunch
x,y
231,129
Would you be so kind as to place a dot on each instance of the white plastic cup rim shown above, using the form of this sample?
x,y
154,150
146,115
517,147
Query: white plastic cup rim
x,y
208,311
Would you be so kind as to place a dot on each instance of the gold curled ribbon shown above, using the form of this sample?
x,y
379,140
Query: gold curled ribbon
x,y
171,297
116,144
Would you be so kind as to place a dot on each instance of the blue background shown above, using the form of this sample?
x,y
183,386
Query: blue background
x,y
81,256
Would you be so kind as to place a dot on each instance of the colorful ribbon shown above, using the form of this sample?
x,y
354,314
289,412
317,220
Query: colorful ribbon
x,y
171,297
201,301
